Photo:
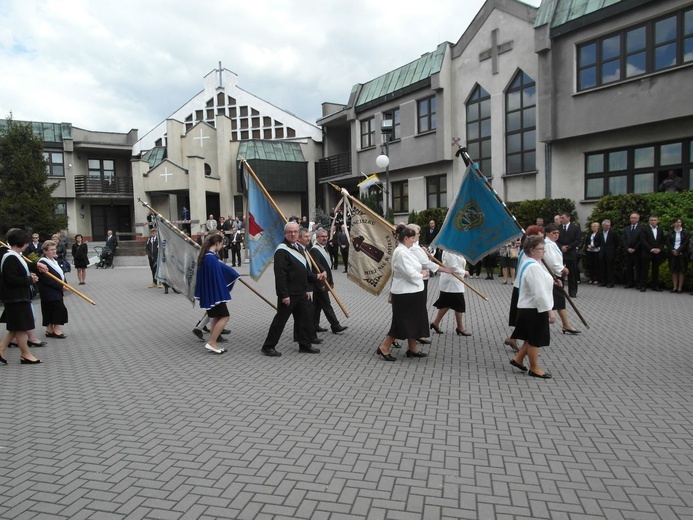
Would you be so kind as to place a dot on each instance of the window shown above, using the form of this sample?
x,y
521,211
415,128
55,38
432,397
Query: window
x,y
657,45
520,125
367,133
427,114
479,129
637,169
437,191
102,169
60,208
208,170
393,115
400,197
55,166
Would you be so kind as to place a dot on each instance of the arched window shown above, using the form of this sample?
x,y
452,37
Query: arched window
x,y
521,125
208,170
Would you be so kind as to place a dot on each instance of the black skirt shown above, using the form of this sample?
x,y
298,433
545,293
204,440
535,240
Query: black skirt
x,y
218,311
54,312
18,316
409,316
512,316
448,300
533,327
677,264
558,297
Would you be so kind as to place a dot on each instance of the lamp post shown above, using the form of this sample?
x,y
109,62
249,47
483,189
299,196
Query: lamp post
x,y
383,161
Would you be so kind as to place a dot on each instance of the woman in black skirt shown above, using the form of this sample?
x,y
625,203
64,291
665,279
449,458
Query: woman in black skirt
x,y
80,254
15,291
452,293
678,240
409,314
534,312
53,307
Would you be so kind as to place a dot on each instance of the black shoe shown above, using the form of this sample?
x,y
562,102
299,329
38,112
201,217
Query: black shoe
x,y
345,271
316,340
225,331
517,365
397,345
571,331
221,339
309,350
462,332
320,329
198,333
573,295
545,375
29,362
423,341
386,357
433,327
39,344
270,352
338,329
205,329
411,353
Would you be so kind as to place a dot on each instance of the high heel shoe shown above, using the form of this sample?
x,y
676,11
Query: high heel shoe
x,y
3,360
462,332
396,345
433,327
571,331
386,357
423,341
411,353
25,361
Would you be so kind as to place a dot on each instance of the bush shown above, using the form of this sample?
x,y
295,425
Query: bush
x,y
527,211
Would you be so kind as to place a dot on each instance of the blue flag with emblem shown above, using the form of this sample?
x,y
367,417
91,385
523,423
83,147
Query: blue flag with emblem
x,y
477,223
265,227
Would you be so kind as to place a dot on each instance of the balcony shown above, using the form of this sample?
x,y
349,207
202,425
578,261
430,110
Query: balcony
x,y
116,187
336,165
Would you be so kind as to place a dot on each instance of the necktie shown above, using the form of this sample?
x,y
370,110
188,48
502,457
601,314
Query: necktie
x,y
632,228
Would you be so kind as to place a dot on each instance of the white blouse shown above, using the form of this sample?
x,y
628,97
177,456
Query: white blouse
x,y
553,257
422,257
448,283
406,272
536,287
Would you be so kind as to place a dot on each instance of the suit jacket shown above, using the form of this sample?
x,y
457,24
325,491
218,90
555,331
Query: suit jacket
x,y
631,239
685,240
237,237
572,239
112,243
649,242
291,276
431,234
607,248
324,265
31,248
15,284
152,249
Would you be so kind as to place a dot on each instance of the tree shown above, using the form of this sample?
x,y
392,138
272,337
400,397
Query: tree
x,y
25,196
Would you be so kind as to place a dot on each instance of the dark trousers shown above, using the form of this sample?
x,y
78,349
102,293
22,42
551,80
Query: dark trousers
x,y
606,270
573,274
656,261
300,308
632,261
593,265
321,302
334,258
152,266
236,255
345,256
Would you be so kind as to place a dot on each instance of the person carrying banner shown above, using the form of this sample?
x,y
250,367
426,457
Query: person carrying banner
x,y
321,296
534,312
452,293
553,259
409,313
291,276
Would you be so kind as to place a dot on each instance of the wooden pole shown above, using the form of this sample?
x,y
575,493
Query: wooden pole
x,y
191,241
312,260
55,278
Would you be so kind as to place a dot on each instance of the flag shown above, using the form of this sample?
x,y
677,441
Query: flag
x,y
477,223
177,260
371,244
265,228
369,181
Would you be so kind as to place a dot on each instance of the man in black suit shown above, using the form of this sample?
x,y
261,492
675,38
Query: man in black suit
x,y
292,273
111,241
343,241
152,249
652,240
321,295
35,246
606,241
631,239
235,241
569,241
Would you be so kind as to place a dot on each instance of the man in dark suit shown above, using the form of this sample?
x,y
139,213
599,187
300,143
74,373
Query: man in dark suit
x,y
343,241
111,241
321,295
291,276
606,241
35,246
652,240
631,239
569,240
235,241
152,248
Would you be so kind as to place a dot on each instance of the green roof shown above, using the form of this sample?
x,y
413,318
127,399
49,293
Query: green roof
x,y
271,151
398,80
560,12
155,156
48,132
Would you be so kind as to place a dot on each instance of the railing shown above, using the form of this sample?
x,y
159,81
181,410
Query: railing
x,y
117,186
334,165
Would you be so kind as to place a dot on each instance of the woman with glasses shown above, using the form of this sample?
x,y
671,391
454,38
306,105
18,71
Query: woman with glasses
x,y
53,307
534,312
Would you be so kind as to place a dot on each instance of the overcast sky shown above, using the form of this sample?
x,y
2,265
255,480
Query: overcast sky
x,y
113,66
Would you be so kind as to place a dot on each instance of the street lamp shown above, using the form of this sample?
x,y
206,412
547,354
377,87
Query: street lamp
x,y
383,161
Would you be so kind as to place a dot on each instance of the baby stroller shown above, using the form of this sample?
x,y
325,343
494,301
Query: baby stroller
x,y
105,257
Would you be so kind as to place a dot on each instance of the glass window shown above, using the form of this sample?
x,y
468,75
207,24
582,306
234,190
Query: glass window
x,y
60,208
635,40
618,185
670,154
618,161
594,188
396,129
588,78
665,30
643,157
54,164
400,197
643,183
611,47
367,133
520,131
478,111
587,55
436,191
595,163
635,65
102,169
427,114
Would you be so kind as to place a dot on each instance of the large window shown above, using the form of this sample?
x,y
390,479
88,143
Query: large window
x,y
367,133
396,130
479,129
426,114
638,169
102,169
55,166
520,125
400,197
437,191
656,45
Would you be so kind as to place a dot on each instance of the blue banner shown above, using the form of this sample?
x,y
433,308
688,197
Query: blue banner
x,y
477,223
265,228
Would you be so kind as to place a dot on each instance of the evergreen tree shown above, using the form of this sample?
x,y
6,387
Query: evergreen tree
x,y
25,196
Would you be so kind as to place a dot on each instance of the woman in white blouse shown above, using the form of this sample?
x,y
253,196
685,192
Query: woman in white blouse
x,y
553,258
534,305
409,314
452,293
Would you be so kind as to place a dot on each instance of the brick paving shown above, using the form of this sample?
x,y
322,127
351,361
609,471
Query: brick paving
x,y
131,418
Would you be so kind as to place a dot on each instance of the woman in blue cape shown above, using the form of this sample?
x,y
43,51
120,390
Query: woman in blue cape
x,y
213,288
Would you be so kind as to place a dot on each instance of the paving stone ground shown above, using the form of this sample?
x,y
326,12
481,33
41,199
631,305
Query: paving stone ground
x,y
131,418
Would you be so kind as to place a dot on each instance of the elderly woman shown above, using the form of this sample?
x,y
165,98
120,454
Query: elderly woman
x,y
553,259
427,264
452,293
15,292
409,314
534,312
53,307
